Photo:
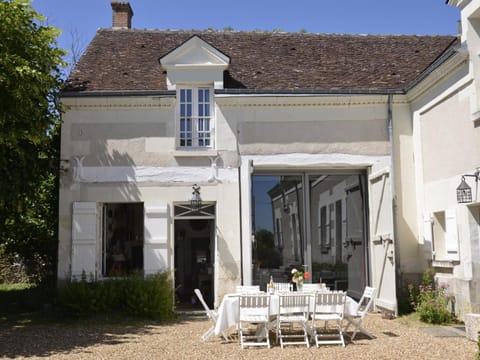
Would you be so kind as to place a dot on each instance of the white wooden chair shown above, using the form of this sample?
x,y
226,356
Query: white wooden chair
x,y
282,286
328,306
293,308
356,319
211,314
254,309
247,289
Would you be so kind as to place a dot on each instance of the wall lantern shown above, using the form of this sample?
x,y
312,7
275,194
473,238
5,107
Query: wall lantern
x,y
464,191
196,201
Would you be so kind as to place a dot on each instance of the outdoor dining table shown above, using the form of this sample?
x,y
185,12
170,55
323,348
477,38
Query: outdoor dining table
x,y
228,312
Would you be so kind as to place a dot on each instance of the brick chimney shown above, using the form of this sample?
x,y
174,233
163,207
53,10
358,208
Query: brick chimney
x,y
121,15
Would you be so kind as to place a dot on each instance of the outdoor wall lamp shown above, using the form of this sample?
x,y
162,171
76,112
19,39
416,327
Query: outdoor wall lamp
x,y
464,191
196,201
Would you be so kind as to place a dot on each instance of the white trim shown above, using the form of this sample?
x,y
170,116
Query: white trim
x,y
246,211
300,160
145,174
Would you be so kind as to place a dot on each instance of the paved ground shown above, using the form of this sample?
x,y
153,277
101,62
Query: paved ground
x,y
394,339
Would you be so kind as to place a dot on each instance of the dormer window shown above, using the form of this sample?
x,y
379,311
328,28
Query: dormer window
x,y
195,120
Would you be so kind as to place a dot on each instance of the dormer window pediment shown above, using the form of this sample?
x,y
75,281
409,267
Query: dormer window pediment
x,y
195,61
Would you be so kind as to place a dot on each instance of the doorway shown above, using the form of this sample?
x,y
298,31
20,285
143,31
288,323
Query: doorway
x,y
313,222
194,260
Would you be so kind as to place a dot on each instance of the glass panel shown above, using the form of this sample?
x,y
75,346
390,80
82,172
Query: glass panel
x,y
189,95
277,200
182,95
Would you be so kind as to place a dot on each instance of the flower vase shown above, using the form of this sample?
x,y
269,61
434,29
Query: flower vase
x,y
300,286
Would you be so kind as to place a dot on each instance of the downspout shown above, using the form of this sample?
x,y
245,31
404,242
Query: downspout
x,y
394,199
241,224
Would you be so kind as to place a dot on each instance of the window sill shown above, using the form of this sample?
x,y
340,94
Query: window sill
x,y
195,153
449,264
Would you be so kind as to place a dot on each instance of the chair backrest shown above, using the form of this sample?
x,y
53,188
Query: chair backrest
x,y
312,287
247,289
366,301
282,286
210,313
254,304
293,303
330,302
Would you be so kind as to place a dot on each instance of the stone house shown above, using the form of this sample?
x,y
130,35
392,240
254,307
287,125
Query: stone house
x,y
229,157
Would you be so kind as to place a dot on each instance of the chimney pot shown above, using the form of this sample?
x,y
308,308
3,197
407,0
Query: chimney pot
x,y
122,15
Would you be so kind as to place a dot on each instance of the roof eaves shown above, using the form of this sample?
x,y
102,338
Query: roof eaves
x,y
96,93
451,51
310,92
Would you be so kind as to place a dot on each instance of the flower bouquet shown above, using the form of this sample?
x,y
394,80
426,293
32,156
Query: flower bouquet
x,y
298,277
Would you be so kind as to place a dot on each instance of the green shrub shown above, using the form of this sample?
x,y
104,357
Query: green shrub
x,y
478,349
147,297
151,297
429,301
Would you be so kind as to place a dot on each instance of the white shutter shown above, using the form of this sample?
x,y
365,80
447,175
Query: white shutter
x,y
427,237
84,239
155,250
451,235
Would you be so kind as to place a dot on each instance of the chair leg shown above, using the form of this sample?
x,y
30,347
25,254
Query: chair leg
x,y
208,333
359,328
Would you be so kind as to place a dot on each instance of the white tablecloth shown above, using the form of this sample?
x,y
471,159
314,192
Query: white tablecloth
x,y
228,310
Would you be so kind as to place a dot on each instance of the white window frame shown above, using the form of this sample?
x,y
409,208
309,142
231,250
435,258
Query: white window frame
x,y
196,130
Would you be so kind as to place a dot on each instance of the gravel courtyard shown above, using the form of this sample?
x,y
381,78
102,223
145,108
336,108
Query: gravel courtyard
x,y
395,339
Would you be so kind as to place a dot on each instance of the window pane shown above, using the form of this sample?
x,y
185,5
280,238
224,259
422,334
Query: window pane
x,y
182,95
200,95
200,110
189,110
189,95
277,200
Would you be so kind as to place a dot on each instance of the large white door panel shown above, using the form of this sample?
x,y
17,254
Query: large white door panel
x,y
382,241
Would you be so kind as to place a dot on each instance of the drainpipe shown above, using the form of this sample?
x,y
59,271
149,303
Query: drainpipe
x,y
241,223
394,198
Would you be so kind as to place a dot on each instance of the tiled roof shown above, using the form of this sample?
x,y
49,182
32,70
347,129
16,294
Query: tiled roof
x,y
122,60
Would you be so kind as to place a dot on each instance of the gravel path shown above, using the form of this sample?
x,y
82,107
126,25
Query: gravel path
x,y
395,339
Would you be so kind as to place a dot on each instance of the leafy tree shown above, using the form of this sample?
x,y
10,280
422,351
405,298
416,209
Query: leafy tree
x,y
30,79
265,253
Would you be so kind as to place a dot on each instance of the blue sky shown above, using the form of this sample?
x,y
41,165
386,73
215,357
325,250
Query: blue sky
x,y
80,19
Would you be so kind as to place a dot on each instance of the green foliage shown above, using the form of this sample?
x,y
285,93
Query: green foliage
x,y
478,349
11,269
429,301
30,80
150,297
22,298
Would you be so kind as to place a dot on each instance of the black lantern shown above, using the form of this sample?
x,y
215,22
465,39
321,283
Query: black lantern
x,y
196,201
464,191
